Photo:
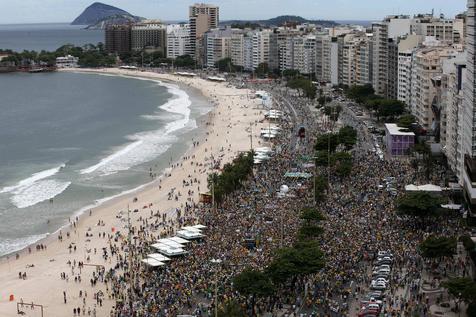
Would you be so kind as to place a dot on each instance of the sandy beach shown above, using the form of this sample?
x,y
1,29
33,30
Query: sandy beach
x,y
228,128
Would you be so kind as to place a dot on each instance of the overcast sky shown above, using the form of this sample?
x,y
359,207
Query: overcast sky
x,y
33,11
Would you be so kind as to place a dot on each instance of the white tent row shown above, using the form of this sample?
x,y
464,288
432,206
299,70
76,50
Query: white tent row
x,y
158,257
152,262
190,235
264,150
214,78
423,188
185,74
168,250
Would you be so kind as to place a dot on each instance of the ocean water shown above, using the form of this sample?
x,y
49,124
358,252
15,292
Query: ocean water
x,y
70,140
46,36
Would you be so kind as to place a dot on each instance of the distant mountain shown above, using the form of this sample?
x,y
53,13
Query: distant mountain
x,y
99,15
280,21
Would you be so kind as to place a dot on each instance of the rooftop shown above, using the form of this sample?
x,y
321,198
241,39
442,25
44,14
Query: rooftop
x,y
394,129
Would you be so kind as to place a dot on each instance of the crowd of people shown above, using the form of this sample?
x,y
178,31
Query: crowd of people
x,y
247,228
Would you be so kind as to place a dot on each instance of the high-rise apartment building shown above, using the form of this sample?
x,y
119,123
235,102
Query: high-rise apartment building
x,y
453,79
380,58
149,35
202,18
355,59
261,47
118,39
178,40
218,45
425,103
406,48
468,132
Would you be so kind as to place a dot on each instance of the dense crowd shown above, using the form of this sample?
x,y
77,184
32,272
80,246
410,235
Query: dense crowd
x,y
360,221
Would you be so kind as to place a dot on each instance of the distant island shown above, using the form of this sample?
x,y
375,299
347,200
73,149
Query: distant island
x,y
99,15
278,21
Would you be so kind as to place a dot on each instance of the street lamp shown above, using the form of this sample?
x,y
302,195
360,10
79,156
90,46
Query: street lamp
x,y
218,262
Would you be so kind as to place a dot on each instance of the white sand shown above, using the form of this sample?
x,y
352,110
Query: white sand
x,y
228,129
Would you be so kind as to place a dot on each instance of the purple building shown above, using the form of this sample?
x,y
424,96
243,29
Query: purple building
x,y
397,140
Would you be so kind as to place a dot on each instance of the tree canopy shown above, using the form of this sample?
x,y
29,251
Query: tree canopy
x,y
419,204
302,259
304,85
231,309
463,288
253,283
438,247
232,176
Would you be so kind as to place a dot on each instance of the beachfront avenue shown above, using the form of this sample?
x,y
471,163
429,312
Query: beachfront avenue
x,y
296,235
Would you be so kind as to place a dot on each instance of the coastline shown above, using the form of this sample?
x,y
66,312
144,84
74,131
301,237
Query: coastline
x,y
106,201
46,275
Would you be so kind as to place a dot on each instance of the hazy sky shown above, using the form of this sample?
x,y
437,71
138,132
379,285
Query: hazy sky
x,y
32,11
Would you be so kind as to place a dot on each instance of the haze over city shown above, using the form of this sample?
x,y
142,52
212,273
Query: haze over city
x,y
48,11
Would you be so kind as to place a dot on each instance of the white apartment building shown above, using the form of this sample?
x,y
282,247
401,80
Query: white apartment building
x,y
327,59
406,47
178,40
453,80
440,28
425,84
355,59
218,45
380,58
468,131
298,53
260,42
67,61
202,18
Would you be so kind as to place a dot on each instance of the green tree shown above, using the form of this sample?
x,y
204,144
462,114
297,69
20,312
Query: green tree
x,y
333,112
231,309
419,204
463,289
253,283
290,263
226,65
438,247
311,215
342,161
262,70
327,141
321,186
406,121
185,61
321,158
347,137
360,93
291,73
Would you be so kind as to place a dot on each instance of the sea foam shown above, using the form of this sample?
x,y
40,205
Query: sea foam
x,y
146,146
36,188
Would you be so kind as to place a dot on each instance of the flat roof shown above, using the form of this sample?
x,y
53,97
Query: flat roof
x,y
393,129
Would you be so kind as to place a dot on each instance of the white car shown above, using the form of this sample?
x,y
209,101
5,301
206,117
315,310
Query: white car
x,y
380,280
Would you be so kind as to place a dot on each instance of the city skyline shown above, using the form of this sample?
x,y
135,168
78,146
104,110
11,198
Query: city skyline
x,y
55,11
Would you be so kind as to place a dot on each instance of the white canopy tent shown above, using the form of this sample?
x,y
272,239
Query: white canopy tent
x,y
168,250
170,242
158,257
190,235
152,262
423,188
199,226
191,228
179,240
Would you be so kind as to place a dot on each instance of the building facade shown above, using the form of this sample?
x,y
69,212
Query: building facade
x,y
178,40
118,39
202,18
149,35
